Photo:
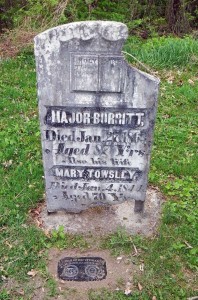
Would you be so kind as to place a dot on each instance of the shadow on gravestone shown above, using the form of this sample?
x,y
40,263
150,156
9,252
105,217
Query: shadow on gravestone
x,y
97,117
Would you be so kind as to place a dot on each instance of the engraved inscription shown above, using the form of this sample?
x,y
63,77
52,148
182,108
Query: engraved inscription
x,y
96,173
84,72
111,77
69,271
96,73
97,153
69,117
82,268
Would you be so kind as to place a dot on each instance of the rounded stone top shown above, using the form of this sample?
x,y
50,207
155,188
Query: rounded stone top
x,y
86,30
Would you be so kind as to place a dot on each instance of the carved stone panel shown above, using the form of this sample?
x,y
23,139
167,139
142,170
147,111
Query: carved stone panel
x,y
84,72
111,74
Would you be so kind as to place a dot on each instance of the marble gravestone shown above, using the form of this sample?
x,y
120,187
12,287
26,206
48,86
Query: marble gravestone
x,y
97,117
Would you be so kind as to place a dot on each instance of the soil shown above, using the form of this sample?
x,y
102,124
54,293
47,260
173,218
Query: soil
x,y
12,42
120,272
100,221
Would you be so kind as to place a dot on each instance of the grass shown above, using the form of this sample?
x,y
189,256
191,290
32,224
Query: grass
x,y
170,258
163,52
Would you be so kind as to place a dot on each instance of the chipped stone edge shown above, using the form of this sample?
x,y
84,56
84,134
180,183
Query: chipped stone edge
x,y
89,25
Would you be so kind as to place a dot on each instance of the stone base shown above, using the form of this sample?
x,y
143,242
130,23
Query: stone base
x,y
104,220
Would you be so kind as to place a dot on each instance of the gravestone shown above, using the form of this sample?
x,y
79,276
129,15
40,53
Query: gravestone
x,y
97,117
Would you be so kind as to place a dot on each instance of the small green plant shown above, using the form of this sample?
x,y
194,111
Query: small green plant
x,y
52,287
59,233
63,240
121,242
4,295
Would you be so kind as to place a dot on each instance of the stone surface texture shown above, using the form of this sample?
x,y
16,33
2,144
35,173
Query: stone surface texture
x,y
97,116
100,221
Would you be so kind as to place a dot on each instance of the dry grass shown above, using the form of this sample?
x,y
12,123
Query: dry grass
x,y
12,42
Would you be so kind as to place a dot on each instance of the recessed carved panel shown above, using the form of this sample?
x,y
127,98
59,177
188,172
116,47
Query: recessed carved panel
x,y
96,73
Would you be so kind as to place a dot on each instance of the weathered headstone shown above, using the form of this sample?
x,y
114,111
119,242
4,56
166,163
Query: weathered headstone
x,y
97,117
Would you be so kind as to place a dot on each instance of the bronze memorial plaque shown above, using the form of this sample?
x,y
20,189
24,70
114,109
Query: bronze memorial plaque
x,y
82,268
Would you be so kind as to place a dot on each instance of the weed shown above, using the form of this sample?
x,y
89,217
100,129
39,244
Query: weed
x,y
121,241
62,240
4,295
52,287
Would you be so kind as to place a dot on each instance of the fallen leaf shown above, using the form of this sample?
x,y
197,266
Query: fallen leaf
x,y
135,249
47,232
142,267
39,224
169,81
8,244
37,212
32,273
21,292
140,287
166,116
119,258
188,245
127,291
7,164
24,225
190,81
